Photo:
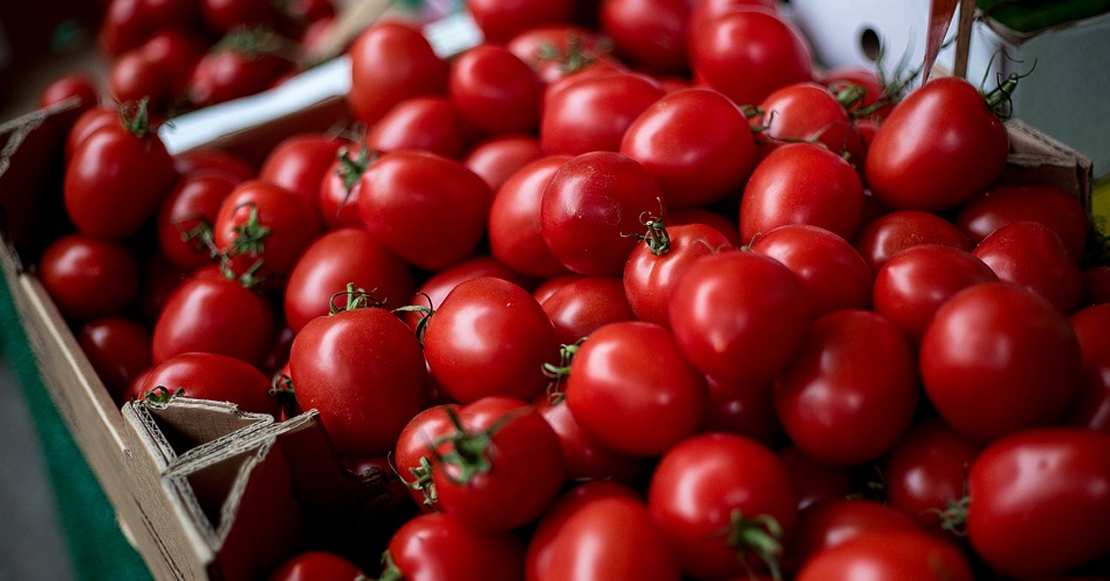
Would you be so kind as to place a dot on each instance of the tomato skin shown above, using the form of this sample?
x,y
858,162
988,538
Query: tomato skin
x,y
119,349
437,546
1039,499
939,146
584,457
744,408
581,306
423,122
300,162
1003,203
315,566
648,34
592,112
850,391
215,377
888,556
436,287
814,482
836,521
417,448
649,280
78,86
890,233
128,23
998,358
205,160
389,63
634,371
495,91
223,74
1031,254
500,21
515,232
1091,407
558,51
89,277
193,203
810,112
496,159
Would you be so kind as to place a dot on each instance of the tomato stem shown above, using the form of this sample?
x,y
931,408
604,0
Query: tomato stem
x,y
135,117
356,298
390,571
557,373
760,534
163,394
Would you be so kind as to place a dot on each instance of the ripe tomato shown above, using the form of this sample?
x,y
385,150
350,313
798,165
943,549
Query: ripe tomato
x,y
417,450
89,277
128,23
746,408
702,12
579,307
515,233
890,233
1031,254
589,113
208,159
495,91
185,219
650,35
584,458
315,565
423,122
1038,501
810,112
245,62
500,21
938,147
998,358
557,51
340,186
436,287
496,159
118,348
223,16
814,482
1091,407
157,70
299,163
889,556
390,62
436,546
78,86
835,521
215,377
1004,203
725,502
630,388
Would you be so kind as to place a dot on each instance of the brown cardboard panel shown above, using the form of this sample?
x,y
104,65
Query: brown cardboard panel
x,y
1038,157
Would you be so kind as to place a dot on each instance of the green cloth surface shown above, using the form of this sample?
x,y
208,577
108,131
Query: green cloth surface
x,y
97,547
1034,15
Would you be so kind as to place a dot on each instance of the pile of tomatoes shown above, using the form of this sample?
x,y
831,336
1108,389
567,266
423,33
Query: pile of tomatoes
x,y
630,290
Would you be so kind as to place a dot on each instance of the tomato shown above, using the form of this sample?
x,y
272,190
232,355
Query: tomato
x,y
209,159
87,123
431,123
428,209
214,314
586,459
887,556
890,233
159,279
89,277
185,219
739,316
102,196
836,521
300,162
1091,407
501,467
496,159
315,565
712,218
436,287
340,186
724,502
580,307
118,348
832,271
223,16
436,546
129,23
363,369
810,112
214,377
998,358
78,90
630,387
703,12
1001,204
593,206
1096,285
1039,499
558,51
851,390
495,91
911,286
490,337
391,62
1031,254
159,69
655,266
336,259
515,233
802,183
650,35
417,450
744,408
938,147
872,101
814,482
245,62
500,21
696,143
748,53
592,113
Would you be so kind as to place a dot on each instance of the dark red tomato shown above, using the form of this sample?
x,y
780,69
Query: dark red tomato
x,y
215,377
214,314
134,76
657,264
1096,285
129,23
703,12
832,522
592,113
236,67
495,91
890,233
868,99
336,259
557,51
548,287
1091,407
118,348
744,408
429,123
802,183
299,164
391,62
812,481
631,388
889,556
489,337
913,284
88,277
739,316
87,123
1039,500
186,217
592,210
1031,254
158,70
223,16
851,390
515,233
340,187
650,35
417,449
102,196
696,143
159,279
710,487
206,159
316,566
428,209
603,539
496,159
436,546
809,112
363,369
1004,203
718,221
748,53
501,468
584,458
832,271
580,307
500,20
436,287
80,93
938,147
926,471
999,358
176,52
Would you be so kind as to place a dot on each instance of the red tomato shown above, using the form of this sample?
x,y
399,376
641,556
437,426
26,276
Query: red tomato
x,y
584,457
889,234
495,91
391,62
744,408
703,12
243,63
128,23
515,233
497,158
630,388
889,556
592,208
77,89
1091,407
91,120
223,16
214,377
870,99
581,306
1039,500
300,162
810,112
186,217
437,286
1004,203
500,21
648,34
88,277
423,122
592,113
739,316
723,501
851,390
836,521
341,185
1096,285
726,226
118,348
417,450
315,566
998,358
556,51
437,546
1031,254
696,143
938,147
158,70
206,159
363,369
814,482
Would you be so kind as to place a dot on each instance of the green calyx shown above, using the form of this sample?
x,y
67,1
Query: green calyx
x,y
556,374
760,535
354,298
135,118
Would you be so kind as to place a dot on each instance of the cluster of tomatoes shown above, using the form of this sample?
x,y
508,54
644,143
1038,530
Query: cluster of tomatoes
x,y
629,291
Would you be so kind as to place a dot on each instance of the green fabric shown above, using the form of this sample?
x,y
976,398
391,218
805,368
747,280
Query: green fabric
x,y
1034,15
97,547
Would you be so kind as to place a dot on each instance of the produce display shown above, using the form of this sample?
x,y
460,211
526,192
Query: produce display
x,y
632,289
